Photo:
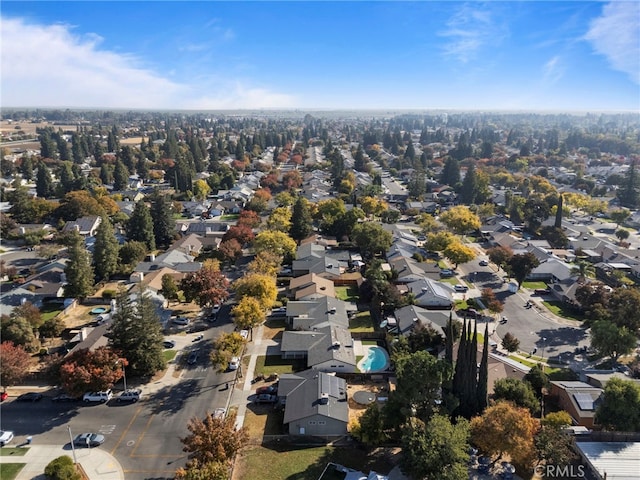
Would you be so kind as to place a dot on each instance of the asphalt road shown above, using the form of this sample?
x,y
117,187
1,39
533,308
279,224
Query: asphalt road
x,y
533,328
143,436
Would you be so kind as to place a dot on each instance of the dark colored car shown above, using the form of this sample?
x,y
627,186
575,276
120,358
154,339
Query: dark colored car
x,y
29,397
193,358
266,398
542,291
169,343
88,440
468,313
268,389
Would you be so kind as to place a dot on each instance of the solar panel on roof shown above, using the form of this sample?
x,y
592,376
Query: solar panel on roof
x,y
584,400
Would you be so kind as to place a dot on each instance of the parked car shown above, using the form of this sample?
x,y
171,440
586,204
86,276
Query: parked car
x,y
193,358
268,389
461,288
131,395
88,440
220,413
234,363
484,263
542,291
244,334
64,398
446,272
216,308
5,437
29,397
169,343
279,312
469,313
504,320
181,321
101,397
266,398
197,338
3,396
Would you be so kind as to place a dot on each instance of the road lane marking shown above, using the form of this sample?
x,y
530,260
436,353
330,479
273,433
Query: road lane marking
x,y
126,430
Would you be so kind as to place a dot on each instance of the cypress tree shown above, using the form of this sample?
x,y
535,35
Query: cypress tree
x,y
448,346
78,271
558,223
301,220
164,225
140,226
460,369
483,374
106,250
472,365
44,182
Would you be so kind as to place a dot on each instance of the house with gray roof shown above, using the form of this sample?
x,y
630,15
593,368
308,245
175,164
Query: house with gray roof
x,y
309,314
328,348
175,259
407,317
553,270
432,294
85,226
315,403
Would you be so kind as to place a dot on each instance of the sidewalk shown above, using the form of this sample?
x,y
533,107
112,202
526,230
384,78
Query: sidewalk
x,y
97,463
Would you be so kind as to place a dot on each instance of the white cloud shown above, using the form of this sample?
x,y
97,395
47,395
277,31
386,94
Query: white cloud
x,y
616,35
50,66
470,29
553,70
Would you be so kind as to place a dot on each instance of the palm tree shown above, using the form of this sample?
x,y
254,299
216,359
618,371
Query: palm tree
x,y
583,269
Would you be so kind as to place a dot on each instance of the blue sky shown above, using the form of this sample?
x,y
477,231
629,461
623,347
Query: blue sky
x,y
560,56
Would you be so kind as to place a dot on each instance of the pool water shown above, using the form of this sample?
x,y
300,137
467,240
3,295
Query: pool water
x,y
98,310
376,360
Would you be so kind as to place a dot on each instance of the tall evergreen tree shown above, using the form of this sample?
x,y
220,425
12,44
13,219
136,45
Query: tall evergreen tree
x,y
628,194
120,176
67,179
449,340
483,374
136,332
300,220
44,182
558,223
163,222
140,226
450,172
469,186
106,250
78,271
460,367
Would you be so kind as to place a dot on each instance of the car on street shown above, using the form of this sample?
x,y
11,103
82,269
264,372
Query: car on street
x,y
268,389
484,263
29,397
266,398
132,395
3,396
220,413
504,320
169,343
101,397
88,440
216,308
5,437
461,288
64,398
234,363
193,358
197,338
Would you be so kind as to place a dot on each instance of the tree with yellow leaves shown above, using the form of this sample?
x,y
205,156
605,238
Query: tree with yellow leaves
x,y
280,219
459,253
248,313
261,287
460,219
503,429
277,242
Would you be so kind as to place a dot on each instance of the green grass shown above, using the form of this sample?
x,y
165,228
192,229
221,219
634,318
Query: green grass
x,y
372,343
47,312
233,216
451,280
361,323
268,364
169,355
560,309
547,369
9,471
295,463
13,451
534,285
347,294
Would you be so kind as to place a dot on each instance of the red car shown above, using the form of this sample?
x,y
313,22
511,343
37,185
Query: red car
x,y
3,396
269,390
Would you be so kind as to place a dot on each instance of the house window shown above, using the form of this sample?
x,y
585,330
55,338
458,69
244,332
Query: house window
x,y
312,422
321,422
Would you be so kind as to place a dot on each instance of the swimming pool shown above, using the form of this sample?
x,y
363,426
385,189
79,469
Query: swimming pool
x,y
377,359
98,310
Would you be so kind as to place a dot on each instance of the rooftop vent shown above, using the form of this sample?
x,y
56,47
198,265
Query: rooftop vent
x,y
336,344
324,398
333,310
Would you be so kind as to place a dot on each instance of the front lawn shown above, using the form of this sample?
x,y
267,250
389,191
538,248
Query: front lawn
x,y
169,355
13,451
228,217
347,294
558,308
361,322
534,285
268,364
9,471
277,462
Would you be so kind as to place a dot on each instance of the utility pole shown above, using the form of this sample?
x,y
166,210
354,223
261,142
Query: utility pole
x,y
73,448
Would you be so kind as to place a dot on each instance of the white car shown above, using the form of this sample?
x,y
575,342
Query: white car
x,y
101,397
244,334
234,363
5,437
181,321
216,309
132,395
461,288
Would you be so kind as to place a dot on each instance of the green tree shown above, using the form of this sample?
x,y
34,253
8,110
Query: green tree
x,y
140,226
79,271
62,468
369,428
371,238
18,330
136,332
517,391
553,445
610,340
206,471
619,216
227,345
44,182
301,226
106,250
169,289
521,265
624,308
120,176
132,252
483,374
620,407
622,234
583,269
558,221
164,225
469,190
538,380
510,342
450,172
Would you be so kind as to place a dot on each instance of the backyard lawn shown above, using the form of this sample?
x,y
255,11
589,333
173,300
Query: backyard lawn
x,y
347,294
268,364
47,312
361,322
295,463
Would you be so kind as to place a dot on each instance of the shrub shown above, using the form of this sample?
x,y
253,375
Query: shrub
x,y
62,468
108,294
